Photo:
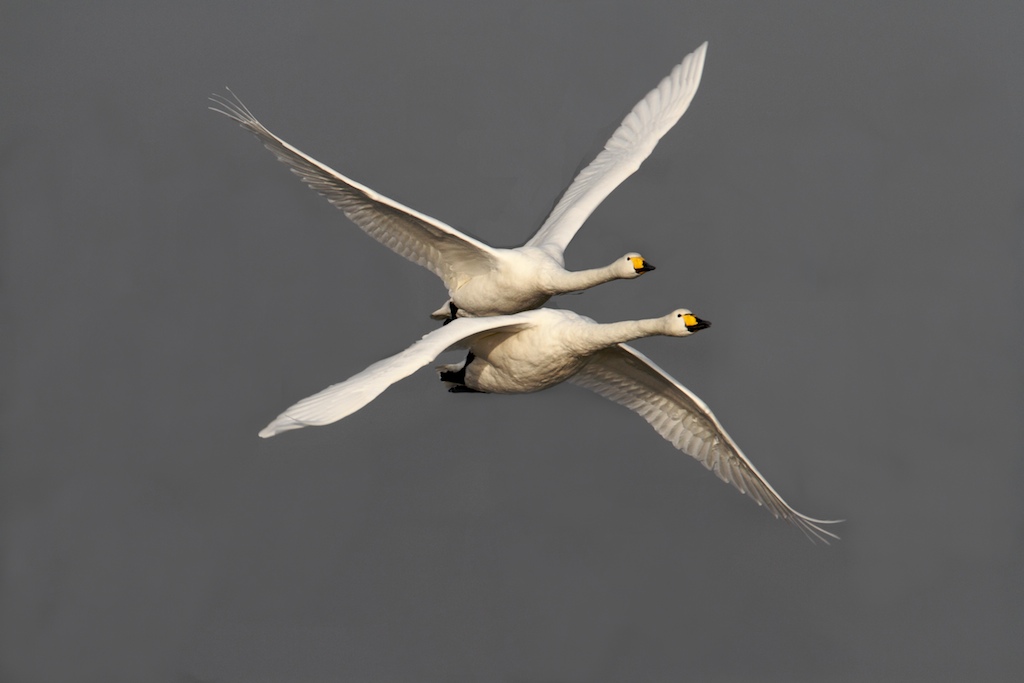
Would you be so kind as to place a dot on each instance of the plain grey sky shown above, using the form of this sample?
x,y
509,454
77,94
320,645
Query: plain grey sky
x,y
844,200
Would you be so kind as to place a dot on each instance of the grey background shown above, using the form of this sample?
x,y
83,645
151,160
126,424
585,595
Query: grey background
x,y
844,200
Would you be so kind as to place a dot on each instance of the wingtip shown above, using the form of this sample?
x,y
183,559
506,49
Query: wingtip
x,y
282,423
700,54
814,531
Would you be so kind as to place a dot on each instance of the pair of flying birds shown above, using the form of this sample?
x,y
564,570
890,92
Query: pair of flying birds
x,y
495,294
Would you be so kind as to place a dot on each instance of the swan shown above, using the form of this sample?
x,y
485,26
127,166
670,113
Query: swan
x,y
537,349
484,280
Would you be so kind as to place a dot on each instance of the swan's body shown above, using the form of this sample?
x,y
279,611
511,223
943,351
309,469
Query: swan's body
x,y
525,278
537,349
483,280
553,348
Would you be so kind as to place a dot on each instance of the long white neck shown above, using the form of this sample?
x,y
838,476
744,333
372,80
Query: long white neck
x,y
563,281
597,336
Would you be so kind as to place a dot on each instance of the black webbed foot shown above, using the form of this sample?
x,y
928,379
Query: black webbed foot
x,y
463,389
453,313
458,377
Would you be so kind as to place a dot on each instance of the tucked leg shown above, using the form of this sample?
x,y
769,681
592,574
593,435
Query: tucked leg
x,y
453,313
458,377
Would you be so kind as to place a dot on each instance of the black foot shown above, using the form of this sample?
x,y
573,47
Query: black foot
x,y
458,377
463,389
454,311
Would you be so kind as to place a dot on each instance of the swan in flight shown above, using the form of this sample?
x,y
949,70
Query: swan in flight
x,y
537,349
484,280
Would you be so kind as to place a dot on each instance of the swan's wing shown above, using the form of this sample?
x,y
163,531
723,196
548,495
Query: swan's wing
x,y
622,155
424,240
626,376
340,400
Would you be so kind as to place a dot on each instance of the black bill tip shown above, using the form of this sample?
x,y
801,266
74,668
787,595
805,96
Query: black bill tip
x,y
698,325
645,267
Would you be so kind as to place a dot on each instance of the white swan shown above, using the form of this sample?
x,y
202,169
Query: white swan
x,y
536,349
483,280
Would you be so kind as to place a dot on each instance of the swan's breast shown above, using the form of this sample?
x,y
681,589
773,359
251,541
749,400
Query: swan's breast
x,y
526,361
520,282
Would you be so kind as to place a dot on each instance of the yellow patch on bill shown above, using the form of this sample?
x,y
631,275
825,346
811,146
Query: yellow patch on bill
x,y
690,320
638,262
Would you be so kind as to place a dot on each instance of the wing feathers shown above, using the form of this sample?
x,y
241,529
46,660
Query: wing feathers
x,y
624,375
632,142
424,240
341,400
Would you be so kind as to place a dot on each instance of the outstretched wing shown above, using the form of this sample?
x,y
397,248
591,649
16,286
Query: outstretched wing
x,y
624,375
341,400
424,240
622,155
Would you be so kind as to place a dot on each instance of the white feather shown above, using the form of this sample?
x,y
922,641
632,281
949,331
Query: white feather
x,y
484,280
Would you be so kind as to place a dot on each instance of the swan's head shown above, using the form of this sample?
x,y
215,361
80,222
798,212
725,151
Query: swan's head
x,y
632,265
682,323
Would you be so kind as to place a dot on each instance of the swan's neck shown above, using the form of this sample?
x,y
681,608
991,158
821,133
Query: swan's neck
x,y
563,281
600,336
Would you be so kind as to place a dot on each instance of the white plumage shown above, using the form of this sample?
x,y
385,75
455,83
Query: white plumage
x,y
537,349
483,280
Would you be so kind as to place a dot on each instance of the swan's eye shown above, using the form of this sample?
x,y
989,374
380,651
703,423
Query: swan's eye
x,y
679,315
